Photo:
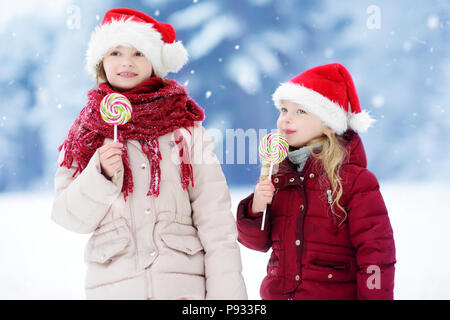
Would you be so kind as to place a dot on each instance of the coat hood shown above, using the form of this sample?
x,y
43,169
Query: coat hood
x,y
354,147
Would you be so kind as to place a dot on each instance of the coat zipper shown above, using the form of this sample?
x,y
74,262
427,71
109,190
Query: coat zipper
x,y
330,202
330,198
133,234
133,223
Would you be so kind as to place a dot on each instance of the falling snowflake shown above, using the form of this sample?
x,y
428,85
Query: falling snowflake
x,y
208,94
236,47
407,46
378,101
329,53
433,22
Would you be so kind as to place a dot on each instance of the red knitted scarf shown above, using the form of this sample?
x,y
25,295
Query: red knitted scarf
x,y
159,107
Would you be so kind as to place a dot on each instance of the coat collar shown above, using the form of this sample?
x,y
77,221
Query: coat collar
x,y
287,174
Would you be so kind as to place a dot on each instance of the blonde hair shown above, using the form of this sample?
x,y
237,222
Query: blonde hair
x,y
332,154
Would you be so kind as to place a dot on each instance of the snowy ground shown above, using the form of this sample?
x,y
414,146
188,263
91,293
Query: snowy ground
x,y
40,260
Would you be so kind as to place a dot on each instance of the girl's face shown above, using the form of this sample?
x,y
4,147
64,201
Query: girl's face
x,y
125,67
298,126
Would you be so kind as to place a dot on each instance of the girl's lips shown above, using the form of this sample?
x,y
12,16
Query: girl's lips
x,y
127,74
287,131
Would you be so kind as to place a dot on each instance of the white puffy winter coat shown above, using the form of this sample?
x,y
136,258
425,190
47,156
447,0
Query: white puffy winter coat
x,y
181,244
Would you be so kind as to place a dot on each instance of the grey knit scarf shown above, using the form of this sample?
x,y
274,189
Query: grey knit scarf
x,y
299,156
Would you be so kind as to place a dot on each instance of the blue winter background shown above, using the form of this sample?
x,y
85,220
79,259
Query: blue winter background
x,y
240,51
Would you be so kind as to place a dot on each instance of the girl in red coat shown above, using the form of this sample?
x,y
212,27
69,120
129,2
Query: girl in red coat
x,y
326,223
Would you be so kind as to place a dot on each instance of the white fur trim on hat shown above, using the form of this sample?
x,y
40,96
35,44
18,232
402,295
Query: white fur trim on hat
x,y
326,110
140,35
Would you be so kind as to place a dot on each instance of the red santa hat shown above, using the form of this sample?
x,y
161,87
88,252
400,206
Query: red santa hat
x,y
128,27
328,92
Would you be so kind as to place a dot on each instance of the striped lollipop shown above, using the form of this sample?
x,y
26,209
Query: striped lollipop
x,y
273,149
115,109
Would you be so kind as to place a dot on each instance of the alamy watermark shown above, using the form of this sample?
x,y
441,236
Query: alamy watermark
x,y
374,19
374,280
228,146
74,17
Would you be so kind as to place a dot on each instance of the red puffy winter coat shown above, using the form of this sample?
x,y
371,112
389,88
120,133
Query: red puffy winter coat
x,y
316,255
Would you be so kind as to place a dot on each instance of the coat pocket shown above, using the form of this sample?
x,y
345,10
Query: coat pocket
x,y
334,265
108,242
331,269
183,243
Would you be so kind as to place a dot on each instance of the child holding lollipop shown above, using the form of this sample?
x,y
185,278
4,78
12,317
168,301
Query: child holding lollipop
x,y
162,226
326,222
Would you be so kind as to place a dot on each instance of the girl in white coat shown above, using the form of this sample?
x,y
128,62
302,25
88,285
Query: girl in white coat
x,y
156,200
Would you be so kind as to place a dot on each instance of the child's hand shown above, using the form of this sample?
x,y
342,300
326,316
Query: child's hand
x,y
111,158
263,195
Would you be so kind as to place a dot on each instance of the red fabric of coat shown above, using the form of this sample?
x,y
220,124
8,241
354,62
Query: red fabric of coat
x,y
316,255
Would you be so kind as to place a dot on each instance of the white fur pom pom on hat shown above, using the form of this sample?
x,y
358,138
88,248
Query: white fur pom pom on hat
x,y
174,56
128,27
361,121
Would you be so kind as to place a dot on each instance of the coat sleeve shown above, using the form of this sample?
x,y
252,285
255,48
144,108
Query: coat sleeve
x,y
249,227
81,202
211,213
372,236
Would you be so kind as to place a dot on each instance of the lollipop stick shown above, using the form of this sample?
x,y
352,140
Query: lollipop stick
x,y
264,214
115,139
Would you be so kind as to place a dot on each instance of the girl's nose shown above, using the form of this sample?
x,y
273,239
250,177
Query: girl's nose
x,y
287,118
127,63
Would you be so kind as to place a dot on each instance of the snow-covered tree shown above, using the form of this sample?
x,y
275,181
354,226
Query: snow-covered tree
x,y
240,51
